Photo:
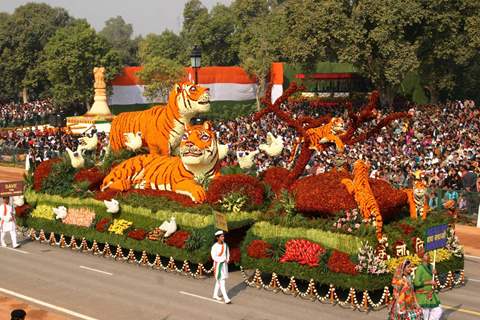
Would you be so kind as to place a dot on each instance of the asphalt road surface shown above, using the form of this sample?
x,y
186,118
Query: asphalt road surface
x,y
83,286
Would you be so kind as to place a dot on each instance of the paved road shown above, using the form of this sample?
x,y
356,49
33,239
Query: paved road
x,y
65,279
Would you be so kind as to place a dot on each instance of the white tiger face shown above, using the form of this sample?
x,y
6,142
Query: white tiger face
x,y
199,146
192,99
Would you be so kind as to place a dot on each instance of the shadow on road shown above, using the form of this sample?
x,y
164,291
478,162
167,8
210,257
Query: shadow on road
x,y
447,312
237,289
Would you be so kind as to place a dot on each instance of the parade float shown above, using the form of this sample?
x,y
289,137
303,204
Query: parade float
x,y
158,196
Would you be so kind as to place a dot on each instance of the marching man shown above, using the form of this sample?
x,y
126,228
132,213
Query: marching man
x,y
7,223
220,256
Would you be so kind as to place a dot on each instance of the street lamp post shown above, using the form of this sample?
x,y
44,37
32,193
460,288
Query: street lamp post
x,y
195,60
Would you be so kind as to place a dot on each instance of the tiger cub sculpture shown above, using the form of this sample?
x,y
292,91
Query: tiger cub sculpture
x,y
363,194
198,159
327,133
162,127
417,200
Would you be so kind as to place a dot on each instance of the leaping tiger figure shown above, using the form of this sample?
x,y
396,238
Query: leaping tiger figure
x,y
360,188
325,134
199,157
162,127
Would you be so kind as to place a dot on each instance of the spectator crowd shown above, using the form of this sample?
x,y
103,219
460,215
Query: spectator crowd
x,y
31,113
441,141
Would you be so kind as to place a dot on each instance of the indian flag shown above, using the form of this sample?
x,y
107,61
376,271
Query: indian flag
x,y
225,84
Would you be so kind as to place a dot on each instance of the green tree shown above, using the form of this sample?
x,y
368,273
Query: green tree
x,y
379,42
119,35
258,52
165,45
69,59
160,74
25,33
449,42
312,30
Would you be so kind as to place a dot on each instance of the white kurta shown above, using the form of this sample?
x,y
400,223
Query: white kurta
x,y
7,222
221,256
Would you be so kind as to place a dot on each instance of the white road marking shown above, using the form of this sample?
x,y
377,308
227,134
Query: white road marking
x,y
96,270
474,280
45,304
16,250
200,297
473,257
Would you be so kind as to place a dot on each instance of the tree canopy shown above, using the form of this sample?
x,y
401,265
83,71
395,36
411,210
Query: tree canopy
x,y
438,41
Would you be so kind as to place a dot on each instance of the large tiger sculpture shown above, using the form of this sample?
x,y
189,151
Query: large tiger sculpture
x,y
360,188
199,158
325,134
162,127
417,200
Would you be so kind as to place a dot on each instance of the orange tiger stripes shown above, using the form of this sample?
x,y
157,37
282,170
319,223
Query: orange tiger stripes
x,y
162,126
198,158
327,133
360,187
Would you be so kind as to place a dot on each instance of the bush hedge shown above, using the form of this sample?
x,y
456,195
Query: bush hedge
x,y
142,218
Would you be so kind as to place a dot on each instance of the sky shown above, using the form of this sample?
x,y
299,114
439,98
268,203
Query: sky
x,y
146,16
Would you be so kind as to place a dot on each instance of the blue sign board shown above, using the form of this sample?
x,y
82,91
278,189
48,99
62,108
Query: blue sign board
x,y
436,237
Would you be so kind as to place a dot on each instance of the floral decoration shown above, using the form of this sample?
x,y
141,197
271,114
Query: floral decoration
x,y
259,249
368,262
93,175
350,222
137,234
41,172
178,239
250,186
303,252
103,224
340,262
119,226
82,217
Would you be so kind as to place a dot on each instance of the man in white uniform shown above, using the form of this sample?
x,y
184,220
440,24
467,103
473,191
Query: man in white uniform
x,y
220,256
7,223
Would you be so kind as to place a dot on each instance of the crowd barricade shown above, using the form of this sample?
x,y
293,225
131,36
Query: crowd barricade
x,y
12,156
466,202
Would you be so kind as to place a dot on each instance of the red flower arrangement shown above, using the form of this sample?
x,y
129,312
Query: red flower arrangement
x,y
324,194
235,255
406,228
92,175
137,234
247,185
41,172
23,210
103,224
340,262
303,252
259,249
275,178
108,194
178,239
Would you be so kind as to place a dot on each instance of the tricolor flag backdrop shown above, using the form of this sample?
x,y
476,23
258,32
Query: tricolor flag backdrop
x,y
225,84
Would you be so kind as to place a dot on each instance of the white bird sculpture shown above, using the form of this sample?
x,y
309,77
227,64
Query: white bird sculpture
x,y
89,143
18,201
245,159
133,141
112,206
60,212
222,151
169,227
274,145
76,158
